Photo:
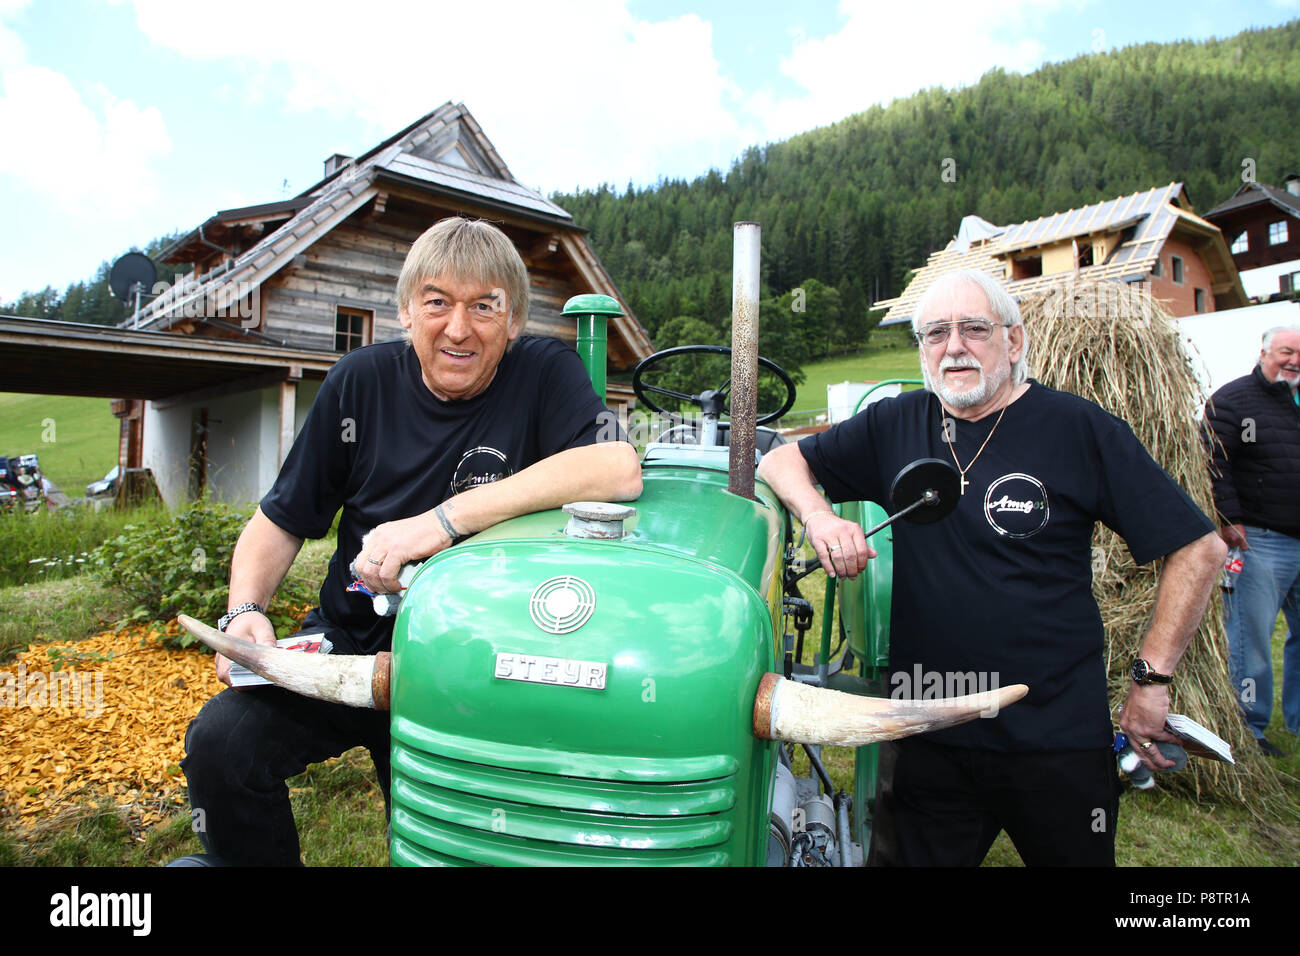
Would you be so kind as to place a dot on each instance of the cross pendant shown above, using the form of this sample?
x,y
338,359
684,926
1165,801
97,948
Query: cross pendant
x,y
964,483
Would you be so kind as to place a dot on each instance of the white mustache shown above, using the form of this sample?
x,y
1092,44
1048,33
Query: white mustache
x,y
949,361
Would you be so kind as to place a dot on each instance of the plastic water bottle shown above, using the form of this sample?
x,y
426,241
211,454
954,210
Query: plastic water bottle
x,y
1138,773
1231,569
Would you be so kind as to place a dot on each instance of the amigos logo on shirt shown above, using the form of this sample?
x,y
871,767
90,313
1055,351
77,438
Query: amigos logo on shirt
x,y
480,466
1016,505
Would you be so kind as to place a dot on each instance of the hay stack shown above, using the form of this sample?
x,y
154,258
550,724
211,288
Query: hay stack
x,y
1117,346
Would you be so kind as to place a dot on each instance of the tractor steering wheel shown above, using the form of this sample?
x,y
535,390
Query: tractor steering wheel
x,y
710,401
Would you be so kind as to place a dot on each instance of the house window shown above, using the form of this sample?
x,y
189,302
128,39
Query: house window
x,y
1176,267
1200,300
352,329
1027,268
1289,283
1240,244
1157,270
1085,255
1277,233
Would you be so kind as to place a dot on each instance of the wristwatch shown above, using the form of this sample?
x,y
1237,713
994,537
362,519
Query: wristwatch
x,y
234,612
1143,674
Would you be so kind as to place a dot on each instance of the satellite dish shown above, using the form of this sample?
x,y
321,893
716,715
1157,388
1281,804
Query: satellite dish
x,y
133,271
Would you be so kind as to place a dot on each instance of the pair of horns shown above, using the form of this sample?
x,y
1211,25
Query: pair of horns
x,y
783,709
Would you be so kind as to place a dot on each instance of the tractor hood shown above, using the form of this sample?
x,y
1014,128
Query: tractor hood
x,y
598,693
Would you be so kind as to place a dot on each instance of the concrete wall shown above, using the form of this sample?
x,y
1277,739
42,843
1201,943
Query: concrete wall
x,y
165,450
235,446
243,443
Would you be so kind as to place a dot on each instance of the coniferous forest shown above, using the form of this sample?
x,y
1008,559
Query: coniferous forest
x,y
91,301
849,209
855,206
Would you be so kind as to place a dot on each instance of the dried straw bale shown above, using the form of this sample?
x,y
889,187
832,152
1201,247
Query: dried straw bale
x,y
1117,346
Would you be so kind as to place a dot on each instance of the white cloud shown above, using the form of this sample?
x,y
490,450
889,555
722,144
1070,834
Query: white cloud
x,y
887,51
569,95
77,168
95,157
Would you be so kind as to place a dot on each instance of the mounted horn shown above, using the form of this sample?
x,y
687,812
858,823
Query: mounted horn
x,y
355,680
800,714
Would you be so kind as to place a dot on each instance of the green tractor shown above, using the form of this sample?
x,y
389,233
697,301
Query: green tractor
x,y
618,685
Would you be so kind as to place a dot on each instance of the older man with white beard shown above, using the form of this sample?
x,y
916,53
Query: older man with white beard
x,y
1002,587
1256,471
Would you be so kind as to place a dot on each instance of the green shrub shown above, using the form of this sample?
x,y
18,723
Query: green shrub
x,y
183,567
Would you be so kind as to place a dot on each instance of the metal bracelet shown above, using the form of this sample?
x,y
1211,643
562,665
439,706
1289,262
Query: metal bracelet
x,y
234,612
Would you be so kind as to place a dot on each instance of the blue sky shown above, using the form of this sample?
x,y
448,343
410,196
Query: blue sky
x,y
126,119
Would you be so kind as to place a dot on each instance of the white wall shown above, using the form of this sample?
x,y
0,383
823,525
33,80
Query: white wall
x,y
165,450
243,443
1262,282
1225,345
235,446
843,397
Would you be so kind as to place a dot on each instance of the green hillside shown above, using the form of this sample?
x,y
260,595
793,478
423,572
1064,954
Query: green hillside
x,y
891,355
858,204
84,436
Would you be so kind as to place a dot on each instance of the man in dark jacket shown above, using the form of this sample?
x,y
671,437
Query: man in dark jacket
x,y
1256,472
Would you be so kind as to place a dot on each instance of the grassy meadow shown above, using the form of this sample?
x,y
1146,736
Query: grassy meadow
x,y
76,438
891,354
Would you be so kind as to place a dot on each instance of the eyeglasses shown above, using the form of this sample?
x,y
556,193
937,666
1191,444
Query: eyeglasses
x,y
970,330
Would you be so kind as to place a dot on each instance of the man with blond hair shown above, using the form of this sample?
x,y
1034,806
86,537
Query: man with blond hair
x,y
1002,586
1255,467
420,442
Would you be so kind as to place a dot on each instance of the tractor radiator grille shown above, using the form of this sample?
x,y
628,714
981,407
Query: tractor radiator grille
x,y
448,811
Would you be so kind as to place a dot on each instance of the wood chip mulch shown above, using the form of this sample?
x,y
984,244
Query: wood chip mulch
x,y
111,728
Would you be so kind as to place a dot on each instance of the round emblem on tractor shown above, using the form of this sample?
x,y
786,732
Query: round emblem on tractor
x,y
563,604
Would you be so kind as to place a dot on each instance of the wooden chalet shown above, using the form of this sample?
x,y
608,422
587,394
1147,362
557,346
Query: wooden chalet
x,y
1262,226
1152,238
317,275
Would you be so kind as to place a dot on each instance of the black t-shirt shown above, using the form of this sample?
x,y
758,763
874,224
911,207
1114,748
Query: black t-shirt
x,y
378,444
1003,585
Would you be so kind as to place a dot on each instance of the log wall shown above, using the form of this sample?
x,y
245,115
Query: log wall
x,y
357,264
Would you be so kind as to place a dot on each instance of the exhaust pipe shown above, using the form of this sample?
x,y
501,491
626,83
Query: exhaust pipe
x,y
592,312
744,357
